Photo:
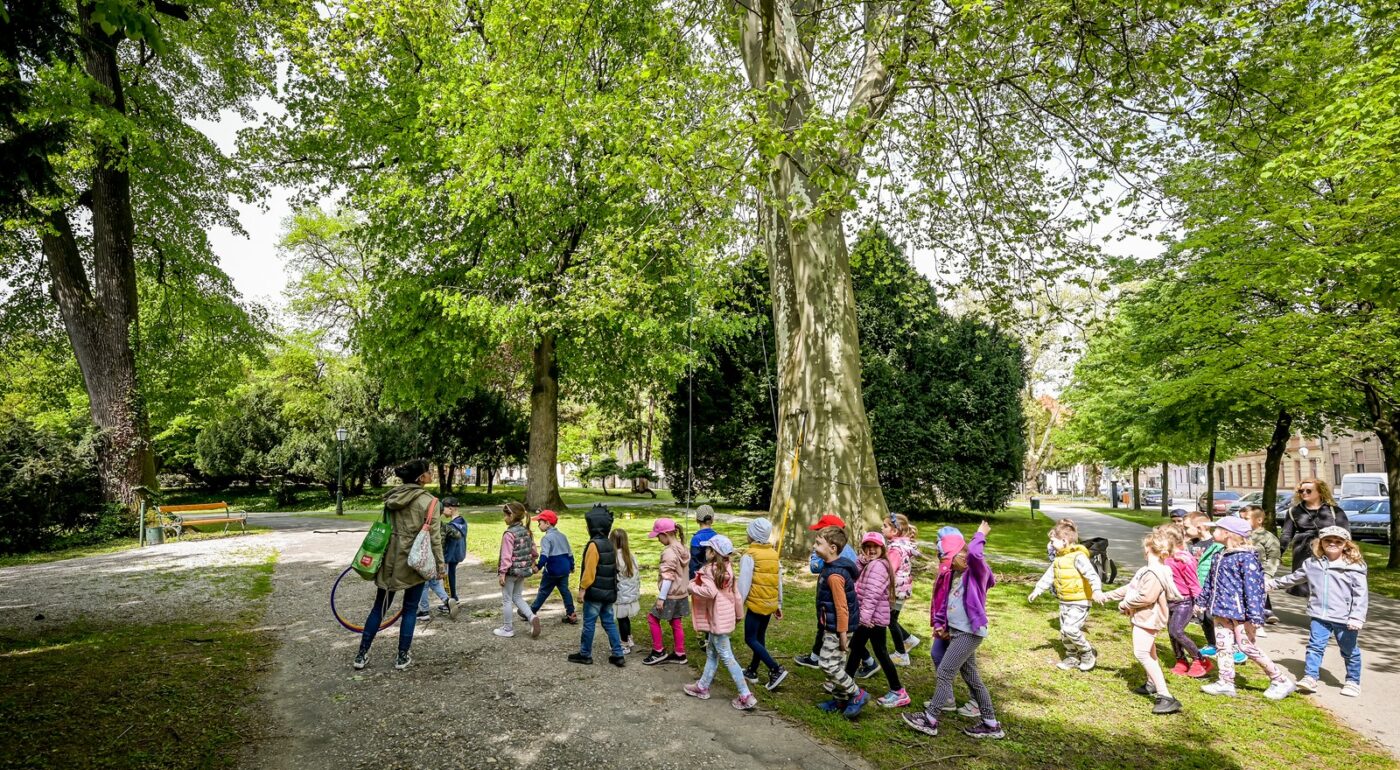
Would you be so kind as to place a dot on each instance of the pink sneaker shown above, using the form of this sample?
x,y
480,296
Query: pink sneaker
x,y
745,702
694,690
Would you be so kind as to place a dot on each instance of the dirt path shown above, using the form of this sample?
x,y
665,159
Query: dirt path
x,y
473,700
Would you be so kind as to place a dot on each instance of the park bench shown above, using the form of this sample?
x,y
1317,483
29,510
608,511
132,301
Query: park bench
x,y
174,518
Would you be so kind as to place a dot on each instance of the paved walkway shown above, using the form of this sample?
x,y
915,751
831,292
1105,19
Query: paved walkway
x,y
1376,714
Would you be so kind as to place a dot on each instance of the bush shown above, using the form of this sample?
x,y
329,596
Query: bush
x,y
49,491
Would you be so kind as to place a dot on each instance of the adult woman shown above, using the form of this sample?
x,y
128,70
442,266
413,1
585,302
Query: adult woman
x,y
408,506
1313,509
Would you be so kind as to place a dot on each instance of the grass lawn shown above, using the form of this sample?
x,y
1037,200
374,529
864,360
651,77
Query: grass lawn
x,y
175,695
1053,718
214,532
318,501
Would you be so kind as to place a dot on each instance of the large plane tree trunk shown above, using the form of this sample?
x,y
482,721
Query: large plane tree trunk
x,y
542,487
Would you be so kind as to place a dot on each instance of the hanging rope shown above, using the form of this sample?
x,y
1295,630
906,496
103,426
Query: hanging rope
x,y
690,393
792,480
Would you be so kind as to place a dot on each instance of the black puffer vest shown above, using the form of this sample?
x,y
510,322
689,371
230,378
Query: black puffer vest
x,y
826,603
604,588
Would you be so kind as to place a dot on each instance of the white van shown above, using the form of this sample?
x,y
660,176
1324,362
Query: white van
x,y
1364,485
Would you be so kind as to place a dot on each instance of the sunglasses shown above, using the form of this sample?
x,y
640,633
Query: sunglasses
x,y
1306,491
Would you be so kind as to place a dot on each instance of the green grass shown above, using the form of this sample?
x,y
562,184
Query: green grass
x,y
172,695
211,532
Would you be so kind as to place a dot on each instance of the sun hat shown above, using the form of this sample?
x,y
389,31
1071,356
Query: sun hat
x,y
661,526
873,537
760,530
829,520
719,544
1234,525
549,517
1333,531
705,513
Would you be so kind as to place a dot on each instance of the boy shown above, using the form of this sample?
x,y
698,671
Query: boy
x,y
761,591
556,563
704,516
454,542
597,588
815,564
449,607
836,605
1270,551
1075,581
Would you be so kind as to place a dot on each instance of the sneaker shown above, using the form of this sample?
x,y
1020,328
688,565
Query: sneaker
x,y
984,730
443,610
1208,651
578,657
454,608
694,690
675,657
571,619
535,627
653,657
1281,689
1200,668
401,662
361,659
920,721
969,709
1087,662
894,699
1146,688
910,642
775,678
809,660
832,706
1351,689
867,669
857,703
745,702
750,676
1240,658
1068,663
1181,668
1307,685
1166,704
900,658
628,647
617,660
1219,688
1271,620
503,632
425,617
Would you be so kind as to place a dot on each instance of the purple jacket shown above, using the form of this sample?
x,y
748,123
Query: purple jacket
x,y
979,581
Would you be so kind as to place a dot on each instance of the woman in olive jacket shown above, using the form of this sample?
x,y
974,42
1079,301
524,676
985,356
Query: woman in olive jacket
x,y
407,505
1315,509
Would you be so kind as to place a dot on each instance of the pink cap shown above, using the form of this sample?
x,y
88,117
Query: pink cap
x,y
873,537
661,526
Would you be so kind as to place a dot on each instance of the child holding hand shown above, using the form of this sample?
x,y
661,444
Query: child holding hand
x,y
672,595
1075,581
1337,604
1145,600
1182,563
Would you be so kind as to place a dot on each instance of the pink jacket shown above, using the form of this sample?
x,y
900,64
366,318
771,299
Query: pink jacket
x,y
675,567
873,592
1183,567
713,609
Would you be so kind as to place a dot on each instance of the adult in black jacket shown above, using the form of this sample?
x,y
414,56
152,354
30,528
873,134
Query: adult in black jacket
x,y
1315,509
597,587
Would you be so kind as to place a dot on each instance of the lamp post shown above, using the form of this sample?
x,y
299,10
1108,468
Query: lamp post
x,y
341,434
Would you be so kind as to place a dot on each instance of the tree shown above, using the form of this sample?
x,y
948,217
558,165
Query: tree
x,y
605,468
332,271
484,429
641,476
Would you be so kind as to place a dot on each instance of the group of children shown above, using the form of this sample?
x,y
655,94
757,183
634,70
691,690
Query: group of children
x,y
1215,572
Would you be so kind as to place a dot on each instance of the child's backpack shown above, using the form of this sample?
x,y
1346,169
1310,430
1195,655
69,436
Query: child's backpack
x,y
904,576
1098,556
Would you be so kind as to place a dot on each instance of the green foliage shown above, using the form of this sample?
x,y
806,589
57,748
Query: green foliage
x,y
49,490
484,429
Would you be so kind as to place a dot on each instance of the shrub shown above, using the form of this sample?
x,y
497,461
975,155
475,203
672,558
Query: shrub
x,y
48,487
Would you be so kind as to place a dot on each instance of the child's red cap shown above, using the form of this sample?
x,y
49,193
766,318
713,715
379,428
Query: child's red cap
x,y
548,516
829,520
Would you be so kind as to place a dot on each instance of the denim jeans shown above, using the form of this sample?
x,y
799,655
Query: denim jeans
x,y
717,648
434,586
407,623
1324,630
592,611
548,583
755,633
452,578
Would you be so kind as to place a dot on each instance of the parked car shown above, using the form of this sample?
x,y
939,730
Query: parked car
x,y
1223,498
1283,502
1253,498
1372,522
1151,497
1364,485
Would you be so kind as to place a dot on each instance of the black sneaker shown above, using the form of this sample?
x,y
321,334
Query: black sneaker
x,y
808,660
751,676
1145,689
867,669
653,658
617,660
443,610
403,660
361,659
425,617
675,658
775,678
1166,705
578,657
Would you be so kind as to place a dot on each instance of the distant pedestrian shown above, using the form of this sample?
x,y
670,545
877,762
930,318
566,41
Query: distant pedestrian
x,y
1337,604
516,563
1314,509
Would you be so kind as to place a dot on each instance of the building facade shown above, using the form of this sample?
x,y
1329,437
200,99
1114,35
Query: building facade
x,y
1327,457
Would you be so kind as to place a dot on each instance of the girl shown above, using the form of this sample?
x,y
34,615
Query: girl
x,y
629,587
672,595
717,609
517,562
761,591
1314,509
1182,563
1145,601
959,616
899,535
1233,595
1336,577
875,597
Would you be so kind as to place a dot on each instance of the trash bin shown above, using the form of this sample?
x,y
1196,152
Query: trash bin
x,y
155,535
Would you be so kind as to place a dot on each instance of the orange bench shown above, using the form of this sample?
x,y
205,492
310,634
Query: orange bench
x,y
174,518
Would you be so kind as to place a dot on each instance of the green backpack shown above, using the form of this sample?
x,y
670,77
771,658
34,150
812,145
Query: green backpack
x,y
371,553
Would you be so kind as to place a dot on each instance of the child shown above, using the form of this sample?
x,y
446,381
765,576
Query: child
x,y
517,562
950,543
1270,551
958,614
875,593
836,605
815,563
557,561
672,595
1189,660
454,545
629,588
1145,600
717,609
1233,595
597,587
704,517
1337,603
761,591
1205,549
1075,581
899,536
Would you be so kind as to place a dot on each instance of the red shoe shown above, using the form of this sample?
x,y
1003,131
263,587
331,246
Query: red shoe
x,y
1200,668
1181,667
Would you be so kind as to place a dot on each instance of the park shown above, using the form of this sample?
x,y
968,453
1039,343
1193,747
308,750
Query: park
x,y
637,384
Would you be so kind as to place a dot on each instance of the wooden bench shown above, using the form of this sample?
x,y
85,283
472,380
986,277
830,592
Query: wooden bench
x,y
174,518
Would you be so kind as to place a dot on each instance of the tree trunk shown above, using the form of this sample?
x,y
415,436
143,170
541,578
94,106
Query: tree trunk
x,y
1137,488
98,302
490,479
1210,474
651,426
1166,491
542,489
444,480
1273,458
1386,423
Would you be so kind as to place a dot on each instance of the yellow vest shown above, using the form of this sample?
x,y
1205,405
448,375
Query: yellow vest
x,y
763,594
1070,585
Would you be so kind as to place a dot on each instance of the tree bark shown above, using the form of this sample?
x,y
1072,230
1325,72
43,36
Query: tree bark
x,y
1137,488
542,488
490,479
1386,423
1210,474
1166,490
1273,458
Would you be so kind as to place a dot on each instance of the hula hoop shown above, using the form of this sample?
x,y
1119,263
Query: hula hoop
x,y
388,620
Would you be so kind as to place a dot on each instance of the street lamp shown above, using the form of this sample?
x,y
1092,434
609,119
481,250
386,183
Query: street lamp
x,y
341,434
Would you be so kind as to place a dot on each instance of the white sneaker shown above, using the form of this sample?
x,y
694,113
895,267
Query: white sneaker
x,y
1281,689
1351,689
503,632
1068,663
1219,688
900,658
969,709
454,608
910,643
1307,685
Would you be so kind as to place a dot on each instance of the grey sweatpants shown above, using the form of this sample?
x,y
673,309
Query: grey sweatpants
x,y
833,662
961,657
1073,616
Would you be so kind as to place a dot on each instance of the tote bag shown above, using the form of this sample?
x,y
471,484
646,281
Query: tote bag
x,y
420,554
